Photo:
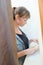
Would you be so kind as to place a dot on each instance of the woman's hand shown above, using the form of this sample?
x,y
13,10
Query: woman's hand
x,y
32,50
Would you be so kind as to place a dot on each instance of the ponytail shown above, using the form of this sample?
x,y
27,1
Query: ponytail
x,y
14,8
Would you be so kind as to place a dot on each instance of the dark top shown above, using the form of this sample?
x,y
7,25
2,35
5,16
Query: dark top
x,y
26,44
24,39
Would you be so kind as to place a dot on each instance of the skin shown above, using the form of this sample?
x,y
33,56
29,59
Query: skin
x,y
21,21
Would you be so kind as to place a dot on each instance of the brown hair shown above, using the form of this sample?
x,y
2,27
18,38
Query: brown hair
x,y
21,11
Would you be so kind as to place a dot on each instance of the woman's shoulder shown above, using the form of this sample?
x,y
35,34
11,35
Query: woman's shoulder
x,y
18,39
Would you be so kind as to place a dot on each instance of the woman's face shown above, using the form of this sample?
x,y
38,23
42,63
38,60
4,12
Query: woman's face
x,y
21,21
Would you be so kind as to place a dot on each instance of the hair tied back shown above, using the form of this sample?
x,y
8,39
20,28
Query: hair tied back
x,y
14,8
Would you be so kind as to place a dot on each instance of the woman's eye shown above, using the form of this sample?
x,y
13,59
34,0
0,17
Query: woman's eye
x,y
24,19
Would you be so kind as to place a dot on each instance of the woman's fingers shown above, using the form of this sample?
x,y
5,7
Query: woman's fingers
x,y
34,40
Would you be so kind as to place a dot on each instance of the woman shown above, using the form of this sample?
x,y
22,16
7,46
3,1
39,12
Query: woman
x,y
20,17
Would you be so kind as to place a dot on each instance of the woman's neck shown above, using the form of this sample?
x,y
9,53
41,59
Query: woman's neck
x,y
16,27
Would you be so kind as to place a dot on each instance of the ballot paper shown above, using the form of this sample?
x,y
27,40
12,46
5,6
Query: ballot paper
x,y
33,59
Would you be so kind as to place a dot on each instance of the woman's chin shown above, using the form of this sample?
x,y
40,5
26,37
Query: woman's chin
x,y
22,25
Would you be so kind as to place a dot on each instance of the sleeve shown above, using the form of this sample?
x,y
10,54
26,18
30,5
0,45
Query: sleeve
x,y
20,46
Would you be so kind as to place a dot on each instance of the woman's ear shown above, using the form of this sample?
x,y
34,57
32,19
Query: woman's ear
x,y
17,18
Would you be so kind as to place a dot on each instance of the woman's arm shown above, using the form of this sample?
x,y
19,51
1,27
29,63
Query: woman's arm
x,y
27,51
